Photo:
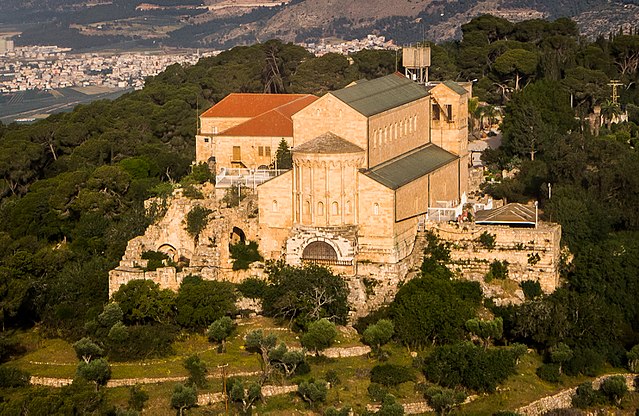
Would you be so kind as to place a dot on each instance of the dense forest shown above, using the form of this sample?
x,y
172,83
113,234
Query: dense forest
x,y
72,190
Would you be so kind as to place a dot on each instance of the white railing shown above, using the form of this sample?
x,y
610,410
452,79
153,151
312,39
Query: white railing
x,y
229,177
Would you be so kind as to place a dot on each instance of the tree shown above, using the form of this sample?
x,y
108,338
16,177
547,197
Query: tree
x,y
243,396
633,358
312,391
560,354
97,371
200,302
196,221
256,341
319,336
283,157
137,398
305,294
142,302
390,407
378,334
285,360
429,310
519,62
443,399
486,330
614,388
610,111
183,398
197,371
220,330
87,350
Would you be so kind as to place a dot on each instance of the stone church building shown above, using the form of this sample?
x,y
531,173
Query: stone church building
x,y
368,162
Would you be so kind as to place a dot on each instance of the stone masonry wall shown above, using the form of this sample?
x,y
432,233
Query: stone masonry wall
x,y
514,245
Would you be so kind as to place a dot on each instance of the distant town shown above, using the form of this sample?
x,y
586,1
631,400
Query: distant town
x,y
51,67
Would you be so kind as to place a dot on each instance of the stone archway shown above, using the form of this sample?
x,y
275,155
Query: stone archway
x,y
169,250
237,236
319,252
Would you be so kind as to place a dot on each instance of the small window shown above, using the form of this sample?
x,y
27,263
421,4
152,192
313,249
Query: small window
x,y
267,151
376,209
334,208
320,208
260,151
436,114
307,208
449,112
237,153
274,206
206,140
348,207
215,130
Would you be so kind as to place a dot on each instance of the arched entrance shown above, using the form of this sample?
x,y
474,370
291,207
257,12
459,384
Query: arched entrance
x,y
319,252
237,236
169,250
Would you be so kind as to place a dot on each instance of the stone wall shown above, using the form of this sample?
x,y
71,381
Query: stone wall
x,y
207,257
514,245
563,399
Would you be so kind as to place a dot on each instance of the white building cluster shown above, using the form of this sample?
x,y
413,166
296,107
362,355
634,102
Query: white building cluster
x,y
346,47
51,67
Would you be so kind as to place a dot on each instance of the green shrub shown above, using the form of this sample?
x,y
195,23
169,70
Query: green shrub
x,y
584,361
614,389
470,366
244,254
391,375
197,220
531,289
586,396
252,288
487,240
549,372
498,270
156,259
190,191
13,377
377,392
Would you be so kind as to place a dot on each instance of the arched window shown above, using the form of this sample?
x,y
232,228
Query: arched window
x,y
334,208
274,206
307,208
320,252
348,207
320,208
376,209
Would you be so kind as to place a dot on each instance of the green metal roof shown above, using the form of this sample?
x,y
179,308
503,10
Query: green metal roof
x,y
380,94
404,169
455,87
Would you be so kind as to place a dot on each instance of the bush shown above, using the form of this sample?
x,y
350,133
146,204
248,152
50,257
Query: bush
x,y
487,240
469,366
13,377
531,289
549,372
244,254
313,391
197,220
586,396
377,392
391,375
156,259
584,361
498,270
614,389
143,342
197,371
190,191
252,288
319,336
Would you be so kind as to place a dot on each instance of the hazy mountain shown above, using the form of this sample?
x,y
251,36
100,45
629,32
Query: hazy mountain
x,y
225,23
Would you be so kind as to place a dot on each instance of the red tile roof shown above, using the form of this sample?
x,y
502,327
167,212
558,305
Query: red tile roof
x,y
249,105
273,123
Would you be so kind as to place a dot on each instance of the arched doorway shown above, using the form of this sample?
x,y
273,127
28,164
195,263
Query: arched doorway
x,y
237,236
169,250
319,252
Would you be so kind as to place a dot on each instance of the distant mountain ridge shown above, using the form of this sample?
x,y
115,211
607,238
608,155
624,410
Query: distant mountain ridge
x,y
226,23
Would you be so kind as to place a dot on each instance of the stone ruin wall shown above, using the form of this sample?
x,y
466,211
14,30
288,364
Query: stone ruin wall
x,y
514,245
209,258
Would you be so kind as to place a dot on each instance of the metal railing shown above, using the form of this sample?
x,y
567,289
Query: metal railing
x,y
230,177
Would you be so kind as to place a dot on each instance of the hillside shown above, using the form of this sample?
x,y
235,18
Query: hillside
x,y
224,23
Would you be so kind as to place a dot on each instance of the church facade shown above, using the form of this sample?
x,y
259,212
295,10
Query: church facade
x,y
369,161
